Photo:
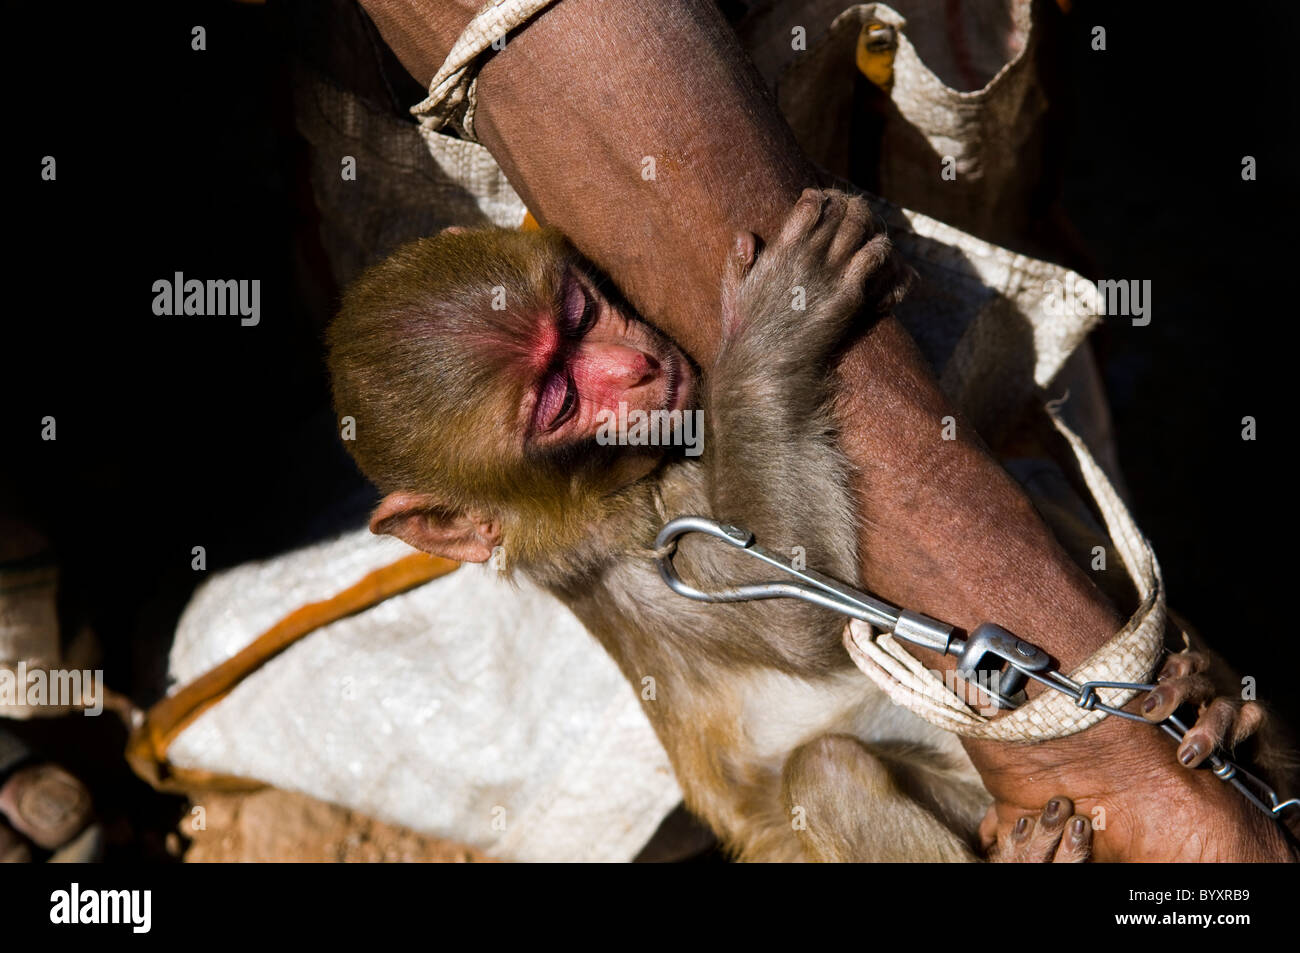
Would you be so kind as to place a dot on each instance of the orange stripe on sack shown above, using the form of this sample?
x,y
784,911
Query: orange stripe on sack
x,y
146,749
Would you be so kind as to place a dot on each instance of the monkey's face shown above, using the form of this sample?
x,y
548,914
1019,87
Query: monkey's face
x,y
491,378
594,363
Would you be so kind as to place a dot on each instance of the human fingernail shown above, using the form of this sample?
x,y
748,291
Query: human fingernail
x,y
1150,704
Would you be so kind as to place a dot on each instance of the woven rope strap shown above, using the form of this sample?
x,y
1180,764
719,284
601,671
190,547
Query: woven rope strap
x,y
453,91
1130,656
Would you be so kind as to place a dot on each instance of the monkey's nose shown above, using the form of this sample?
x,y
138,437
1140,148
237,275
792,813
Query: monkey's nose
x,y
649,369
621,366
635,369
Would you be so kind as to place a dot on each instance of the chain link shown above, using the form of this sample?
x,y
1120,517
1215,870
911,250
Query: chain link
x,y
1023,660
1251,787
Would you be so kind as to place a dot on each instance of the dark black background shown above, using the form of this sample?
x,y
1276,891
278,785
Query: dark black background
x,y
261,904
176,432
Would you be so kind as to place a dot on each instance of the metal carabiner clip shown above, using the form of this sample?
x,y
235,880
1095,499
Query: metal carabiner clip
x,y
1015,661
1014,657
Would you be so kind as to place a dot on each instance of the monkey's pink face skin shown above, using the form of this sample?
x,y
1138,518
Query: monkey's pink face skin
x,y
591,357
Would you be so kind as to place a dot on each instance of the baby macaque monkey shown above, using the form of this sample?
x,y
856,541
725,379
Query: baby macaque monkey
x,y
483,367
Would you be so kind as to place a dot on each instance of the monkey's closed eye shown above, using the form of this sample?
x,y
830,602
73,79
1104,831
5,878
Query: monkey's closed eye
x,y
558,402
579,311
588,319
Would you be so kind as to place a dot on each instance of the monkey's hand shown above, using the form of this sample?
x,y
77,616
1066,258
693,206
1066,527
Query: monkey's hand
x,y
1221,722
793,303
773,465
1056,836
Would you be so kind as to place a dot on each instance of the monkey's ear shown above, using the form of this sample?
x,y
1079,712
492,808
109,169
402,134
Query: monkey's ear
x,y
418,520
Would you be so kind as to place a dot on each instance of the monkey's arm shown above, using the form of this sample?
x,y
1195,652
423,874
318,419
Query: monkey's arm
x,y
571,108
772,464
829,264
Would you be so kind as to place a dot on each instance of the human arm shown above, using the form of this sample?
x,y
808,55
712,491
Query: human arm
x,y
571,108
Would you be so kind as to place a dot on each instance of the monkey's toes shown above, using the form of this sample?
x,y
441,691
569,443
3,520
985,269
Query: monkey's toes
x,y
1163,700
1076,842
1250,718
1044,834
1222,723
1183,663
1056,835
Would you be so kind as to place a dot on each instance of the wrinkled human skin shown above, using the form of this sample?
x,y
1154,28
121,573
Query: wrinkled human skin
x,y
1161,812
945,531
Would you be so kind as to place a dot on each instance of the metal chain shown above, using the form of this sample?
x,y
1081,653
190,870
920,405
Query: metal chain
x,y
1023,660
1251,787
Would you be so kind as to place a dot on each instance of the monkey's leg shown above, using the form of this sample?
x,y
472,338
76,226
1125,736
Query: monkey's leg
x,y
845,806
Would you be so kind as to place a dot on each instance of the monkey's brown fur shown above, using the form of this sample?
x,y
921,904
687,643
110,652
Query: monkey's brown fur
x,y
778,743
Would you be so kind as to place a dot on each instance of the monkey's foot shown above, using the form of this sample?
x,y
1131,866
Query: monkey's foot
x,y
1055,836
1147,806
1221,722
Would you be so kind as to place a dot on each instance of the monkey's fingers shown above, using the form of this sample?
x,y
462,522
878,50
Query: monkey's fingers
x,y
744,248
1250,718
855,227
1035,839
1076,842
1046,833
1163,700
891,283
803,217
1221,724
740,260
1055,836
1183,663
864,270
819,240
875,270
